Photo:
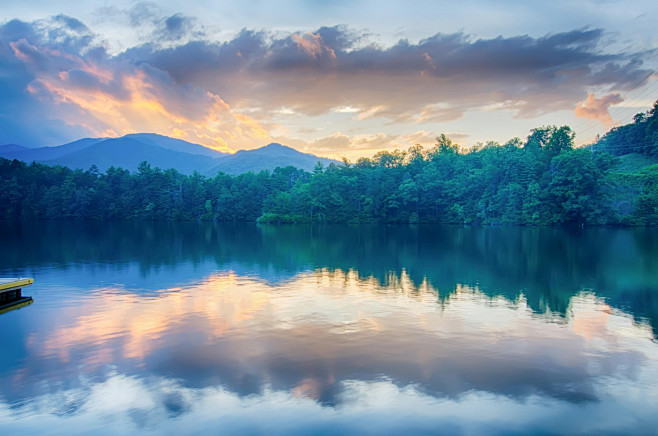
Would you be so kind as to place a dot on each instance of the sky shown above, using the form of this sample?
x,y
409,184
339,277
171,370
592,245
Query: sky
x,y
334,78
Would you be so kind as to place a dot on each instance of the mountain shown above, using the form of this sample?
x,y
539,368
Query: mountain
x,y
46,153
128,152
163,152
11,149
174,144
266,158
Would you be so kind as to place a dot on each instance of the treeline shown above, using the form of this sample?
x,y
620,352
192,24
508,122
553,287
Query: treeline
x,y
38,191
541,181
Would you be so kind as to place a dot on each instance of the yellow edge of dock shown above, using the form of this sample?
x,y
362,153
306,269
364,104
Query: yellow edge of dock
x,y
6,284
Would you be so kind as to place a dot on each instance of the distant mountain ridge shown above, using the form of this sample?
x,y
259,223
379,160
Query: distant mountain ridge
x,y
163,152
12,148
268,157
43,154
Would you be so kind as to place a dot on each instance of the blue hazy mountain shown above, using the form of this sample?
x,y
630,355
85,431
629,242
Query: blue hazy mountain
x,y
163,152
11,148
42,154
266,158
128,152
174,144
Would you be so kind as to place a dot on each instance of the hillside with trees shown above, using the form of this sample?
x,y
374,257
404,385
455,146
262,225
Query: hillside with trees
x,y
640,136
543,180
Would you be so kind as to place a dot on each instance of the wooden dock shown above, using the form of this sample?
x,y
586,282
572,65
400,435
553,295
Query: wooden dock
x,y
11,293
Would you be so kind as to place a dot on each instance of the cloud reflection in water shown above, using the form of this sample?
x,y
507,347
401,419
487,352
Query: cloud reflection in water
x,y
328,351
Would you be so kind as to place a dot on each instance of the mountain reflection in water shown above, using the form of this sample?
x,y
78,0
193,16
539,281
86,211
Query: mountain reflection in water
x,y
190,327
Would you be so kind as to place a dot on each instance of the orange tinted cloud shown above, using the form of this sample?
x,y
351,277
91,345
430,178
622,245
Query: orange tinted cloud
x,y
598,108
312,44
340,145
187,84
120,99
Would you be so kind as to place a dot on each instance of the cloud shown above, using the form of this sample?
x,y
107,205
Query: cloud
x,y
339,144
179,81
433,113
176,28
438,78
147,23
143,12
598,108
177,25
312,44
71,23
104,96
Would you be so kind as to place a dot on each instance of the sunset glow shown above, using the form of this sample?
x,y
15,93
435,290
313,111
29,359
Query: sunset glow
x,y
350,84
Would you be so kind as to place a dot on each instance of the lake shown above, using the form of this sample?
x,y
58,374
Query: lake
x,y
238,329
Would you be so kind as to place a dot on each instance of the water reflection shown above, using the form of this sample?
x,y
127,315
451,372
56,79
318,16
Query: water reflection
x,y
382,331
547,265
325,328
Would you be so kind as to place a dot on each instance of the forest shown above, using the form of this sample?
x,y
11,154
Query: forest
x,y
543,180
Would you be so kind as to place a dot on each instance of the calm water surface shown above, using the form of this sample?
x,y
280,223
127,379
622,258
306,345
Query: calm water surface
x,y
190,328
